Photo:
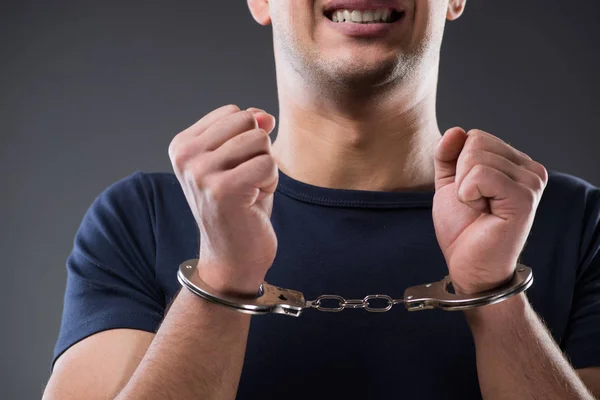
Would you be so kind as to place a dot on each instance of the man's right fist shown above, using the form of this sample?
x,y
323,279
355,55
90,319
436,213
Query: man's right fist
x,y
224,165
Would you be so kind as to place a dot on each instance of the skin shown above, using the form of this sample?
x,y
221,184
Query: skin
x,y
354,114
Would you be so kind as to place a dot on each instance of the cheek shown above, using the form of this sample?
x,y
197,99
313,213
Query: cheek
x,y
294,18
429,21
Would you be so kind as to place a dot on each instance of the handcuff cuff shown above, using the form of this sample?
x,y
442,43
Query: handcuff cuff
x,y
277,300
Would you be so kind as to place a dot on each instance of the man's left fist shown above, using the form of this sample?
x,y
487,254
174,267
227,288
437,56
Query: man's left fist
x,y
486,196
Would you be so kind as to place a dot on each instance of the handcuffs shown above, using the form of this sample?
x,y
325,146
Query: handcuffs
x,y
274,299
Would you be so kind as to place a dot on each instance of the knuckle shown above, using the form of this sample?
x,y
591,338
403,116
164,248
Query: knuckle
x,y
230,108
265,163
217,190
240,139
263,139
178,155
542,172
172,149
473,133
247,120
476,139
479,171
536,183
175,144
471,158
522,154
256,134
248,138
530,198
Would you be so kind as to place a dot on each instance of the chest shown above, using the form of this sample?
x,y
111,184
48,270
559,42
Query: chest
x,y
354,353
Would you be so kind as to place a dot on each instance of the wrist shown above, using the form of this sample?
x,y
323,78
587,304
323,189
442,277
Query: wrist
x,y
497,316
228,281
472,289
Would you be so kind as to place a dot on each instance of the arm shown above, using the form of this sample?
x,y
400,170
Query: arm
x,y
487,195
199,348
591,377
99,366
197,353
518,359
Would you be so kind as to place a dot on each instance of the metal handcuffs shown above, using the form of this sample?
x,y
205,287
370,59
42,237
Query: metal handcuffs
x,y
274,299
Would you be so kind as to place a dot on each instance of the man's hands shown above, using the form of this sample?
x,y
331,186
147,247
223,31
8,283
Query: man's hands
x,y
486,197
228,175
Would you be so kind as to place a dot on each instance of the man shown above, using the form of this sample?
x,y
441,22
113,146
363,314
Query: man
x,y
359,194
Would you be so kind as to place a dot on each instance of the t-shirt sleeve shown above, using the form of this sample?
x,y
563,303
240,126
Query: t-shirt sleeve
x,y
111,279
582,337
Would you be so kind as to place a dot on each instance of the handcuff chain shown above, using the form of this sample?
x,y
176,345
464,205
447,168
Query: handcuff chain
x,y
275,299
354,303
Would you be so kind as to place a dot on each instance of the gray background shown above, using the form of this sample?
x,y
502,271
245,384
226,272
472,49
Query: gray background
x,y
92,91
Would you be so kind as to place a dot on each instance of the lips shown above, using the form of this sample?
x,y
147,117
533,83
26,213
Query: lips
x,y
365,18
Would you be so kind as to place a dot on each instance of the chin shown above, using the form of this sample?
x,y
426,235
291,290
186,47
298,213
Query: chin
x,y
358,74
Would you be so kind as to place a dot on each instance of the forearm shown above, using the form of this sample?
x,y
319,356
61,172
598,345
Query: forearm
x,y
516,356
198,352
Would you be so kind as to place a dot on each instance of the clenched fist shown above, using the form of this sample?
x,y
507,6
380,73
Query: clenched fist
x,y
486,197
228,175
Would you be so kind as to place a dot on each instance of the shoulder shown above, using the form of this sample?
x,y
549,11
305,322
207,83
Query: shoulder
x,y
570,207
138,190
140,182
158,181
565,189
570,199
133,203
123,225
562,180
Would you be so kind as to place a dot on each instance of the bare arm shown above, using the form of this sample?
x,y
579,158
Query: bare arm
x,y
197,353
99,366
518,359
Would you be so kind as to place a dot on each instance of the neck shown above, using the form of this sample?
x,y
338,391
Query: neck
x,y
347,141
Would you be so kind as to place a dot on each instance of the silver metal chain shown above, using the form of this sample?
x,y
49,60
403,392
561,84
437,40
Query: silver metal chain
x,y
274,299
365,304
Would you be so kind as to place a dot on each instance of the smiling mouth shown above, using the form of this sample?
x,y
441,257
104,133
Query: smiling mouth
x,y
384,15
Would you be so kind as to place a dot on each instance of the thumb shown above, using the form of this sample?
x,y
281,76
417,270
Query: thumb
x,y
446,156
264,120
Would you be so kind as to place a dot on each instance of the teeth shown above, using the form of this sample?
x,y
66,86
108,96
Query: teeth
x,y
347,16
362,17
386,15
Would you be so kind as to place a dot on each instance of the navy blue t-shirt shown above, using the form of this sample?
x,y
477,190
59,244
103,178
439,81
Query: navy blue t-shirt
x,y
122,274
